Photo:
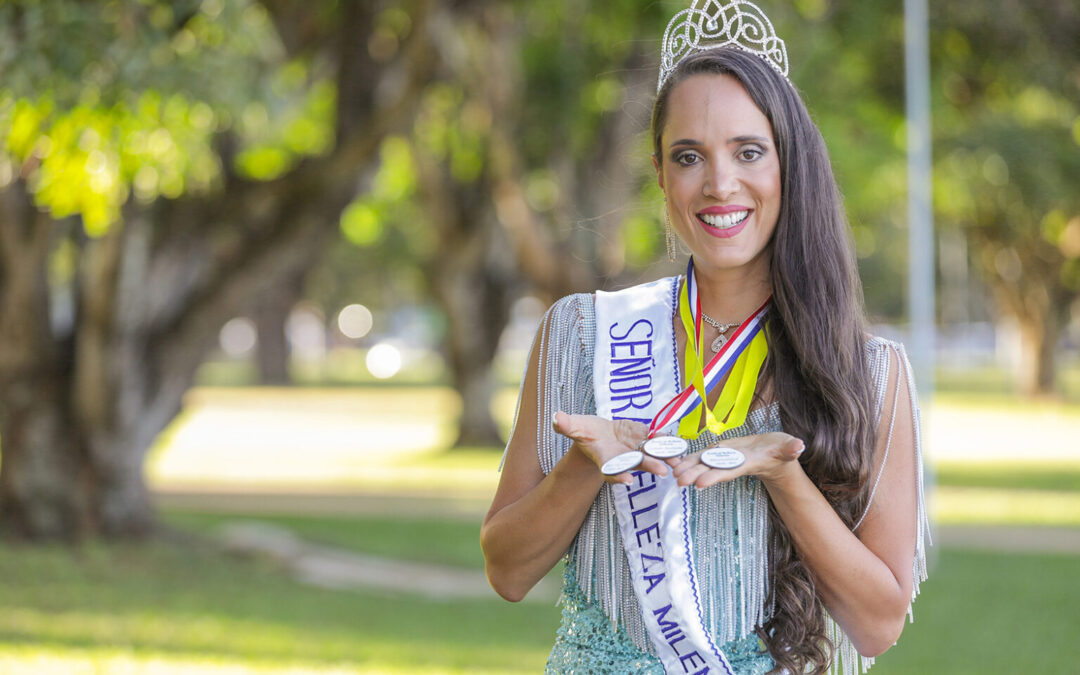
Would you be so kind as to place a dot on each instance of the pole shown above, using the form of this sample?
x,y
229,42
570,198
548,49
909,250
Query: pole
x,y
920,206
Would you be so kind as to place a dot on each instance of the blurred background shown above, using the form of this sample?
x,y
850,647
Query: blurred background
x,y
269,272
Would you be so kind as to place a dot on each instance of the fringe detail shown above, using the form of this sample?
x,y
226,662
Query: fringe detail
x,y
735,563
846,659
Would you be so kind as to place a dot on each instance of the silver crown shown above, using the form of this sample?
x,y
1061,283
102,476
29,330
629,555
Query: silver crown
x,y
709,23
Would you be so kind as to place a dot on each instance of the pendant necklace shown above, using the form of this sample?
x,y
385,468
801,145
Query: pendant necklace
x,y
722,327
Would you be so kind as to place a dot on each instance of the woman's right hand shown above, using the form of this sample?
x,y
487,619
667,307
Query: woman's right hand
x,y
601,439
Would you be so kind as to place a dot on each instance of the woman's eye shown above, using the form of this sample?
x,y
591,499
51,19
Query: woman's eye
x,y
750,154
687,158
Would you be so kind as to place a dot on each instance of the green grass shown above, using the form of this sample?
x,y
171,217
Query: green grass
x,y
99,608
1050,476
432,541
982,613
998,382
182,605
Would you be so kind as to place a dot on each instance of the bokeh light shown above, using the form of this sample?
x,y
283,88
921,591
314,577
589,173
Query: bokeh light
x,y
355,321
384,360
238,337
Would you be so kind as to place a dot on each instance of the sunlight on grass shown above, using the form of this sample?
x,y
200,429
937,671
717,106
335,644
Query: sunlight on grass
x,y
60,660
1062,476
961,428
301,436
1009,464
981,506
175,607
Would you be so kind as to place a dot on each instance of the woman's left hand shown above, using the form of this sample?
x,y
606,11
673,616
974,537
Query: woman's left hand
x,y
768,456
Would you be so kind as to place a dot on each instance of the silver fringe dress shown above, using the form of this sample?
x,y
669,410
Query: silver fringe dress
x,y
602,630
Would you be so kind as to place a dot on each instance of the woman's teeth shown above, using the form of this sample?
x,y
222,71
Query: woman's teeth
x,y
724,221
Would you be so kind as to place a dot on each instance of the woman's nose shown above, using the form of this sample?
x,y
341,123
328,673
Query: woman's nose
x,y
721,181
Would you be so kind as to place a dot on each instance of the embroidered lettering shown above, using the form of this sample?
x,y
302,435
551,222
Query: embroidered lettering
x,y
652,528
627,384
653,558
639,401
642,511
632,367
653,580
687,661
611,331
636,493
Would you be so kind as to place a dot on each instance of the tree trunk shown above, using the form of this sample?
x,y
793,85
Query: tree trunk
x,y
476,304
42,466
271,312
1039,338
42,475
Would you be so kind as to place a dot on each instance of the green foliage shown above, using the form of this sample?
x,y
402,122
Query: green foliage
x,y
109,100
1006,143
87,159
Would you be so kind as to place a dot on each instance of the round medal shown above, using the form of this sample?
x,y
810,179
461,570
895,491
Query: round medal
x,y
722,458
622,462
664,447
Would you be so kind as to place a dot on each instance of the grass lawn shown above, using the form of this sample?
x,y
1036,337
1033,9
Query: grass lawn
x,y
177,605
169,607
969,602
446,542
982,613
180,606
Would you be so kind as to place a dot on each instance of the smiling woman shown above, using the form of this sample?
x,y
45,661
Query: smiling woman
x,y
804,543
721,175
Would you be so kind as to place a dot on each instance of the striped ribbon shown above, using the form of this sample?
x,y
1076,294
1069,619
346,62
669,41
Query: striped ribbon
x,y
721,364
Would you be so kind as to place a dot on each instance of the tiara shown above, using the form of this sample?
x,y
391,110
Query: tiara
x,y
709,23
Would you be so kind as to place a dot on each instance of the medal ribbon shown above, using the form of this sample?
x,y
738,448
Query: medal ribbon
x,y
741,356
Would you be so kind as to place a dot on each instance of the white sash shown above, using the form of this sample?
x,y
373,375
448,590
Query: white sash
x,y
634,376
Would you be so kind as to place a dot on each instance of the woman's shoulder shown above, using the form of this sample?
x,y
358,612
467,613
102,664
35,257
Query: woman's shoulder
x,y
879,348
888,362
574,303
571,320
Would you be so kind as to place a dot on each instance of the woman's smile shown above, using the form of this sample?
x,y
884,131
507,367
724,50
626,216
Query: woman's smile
x,y
724,221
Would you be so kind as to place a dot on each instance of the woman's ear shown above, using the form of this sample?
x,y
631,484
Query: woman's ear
x,y
659,172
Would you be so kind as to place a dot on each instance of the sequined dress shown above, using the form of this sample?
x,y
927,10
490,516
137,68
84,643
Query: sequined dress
x,y
602,630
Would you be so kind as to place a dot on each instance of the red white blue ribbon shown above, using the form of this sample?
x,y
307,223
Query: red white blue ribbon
x,y
690,398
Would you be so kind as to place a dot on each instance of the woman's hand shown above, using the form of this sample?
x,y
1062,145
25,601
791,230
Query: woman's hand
x,y
770,457
601,439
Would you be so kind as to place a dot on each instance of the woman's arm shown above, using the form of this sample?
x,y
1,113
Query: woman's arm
x,y
864,578
534,518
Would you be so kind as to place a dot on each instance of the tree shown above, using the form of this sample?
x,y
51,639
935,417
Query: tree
x,y
521,157
1007,143
110,300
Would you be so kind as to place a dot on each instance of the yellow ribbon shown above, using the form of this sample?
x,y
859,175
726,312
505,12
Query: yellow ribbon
x,y
738,391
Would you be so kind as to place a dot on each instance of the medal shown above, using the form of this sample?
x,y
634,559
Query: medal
x,y
722,458
665,447
622,462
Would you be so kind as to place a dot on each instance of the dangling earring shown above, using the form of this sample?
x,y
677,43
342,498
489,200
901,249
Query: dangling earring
x,y
668,234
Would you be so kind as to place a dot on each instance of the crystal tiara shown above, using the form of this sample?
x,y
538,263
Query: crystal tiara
x,y
709,23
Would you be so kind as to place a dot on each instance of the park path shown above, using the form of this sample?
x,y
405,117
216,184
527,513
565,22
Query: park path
x,y
341,569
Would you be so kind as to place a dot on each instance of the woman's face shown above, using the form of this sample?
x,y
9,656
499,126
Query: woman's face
x,y
721,173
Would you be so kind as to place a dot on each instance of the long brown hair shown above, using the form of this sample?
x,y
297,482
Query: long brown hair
x,y
816,335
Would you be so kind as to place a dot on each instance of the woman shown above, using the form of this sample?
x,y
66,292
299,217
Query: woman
x,y
807,554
